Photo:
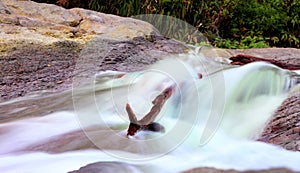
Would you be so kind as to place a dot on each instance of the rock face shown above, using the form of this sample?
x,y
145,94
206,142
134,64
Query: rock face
x,y
284,128
40,45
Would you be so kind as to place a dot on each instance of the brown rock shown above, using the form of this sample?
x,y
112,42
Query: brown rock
x,y
108,167
214,170
288,56
284,127
242,59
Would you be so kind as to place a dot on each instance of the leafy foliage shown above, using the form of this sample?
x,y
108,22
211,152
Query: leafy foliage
x,y
225,23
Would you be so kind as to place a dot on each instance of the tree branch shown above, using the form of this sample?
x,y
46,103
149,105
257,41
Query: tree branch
x,y
131,115
146,123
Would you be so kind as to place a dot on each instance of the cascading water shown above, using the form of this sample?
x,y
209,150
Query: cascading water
x,y
209,121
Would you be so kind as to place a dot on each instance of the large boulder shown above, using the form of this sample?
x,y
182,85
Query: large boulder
x,y
42,43
46,23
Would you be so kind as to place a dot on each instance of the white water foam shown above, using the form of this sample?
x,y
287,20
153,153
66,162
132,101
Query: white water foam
x,y
248,96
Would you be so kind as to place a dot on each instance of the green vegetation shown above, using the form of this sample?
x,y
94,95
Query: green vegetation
x,y
225,23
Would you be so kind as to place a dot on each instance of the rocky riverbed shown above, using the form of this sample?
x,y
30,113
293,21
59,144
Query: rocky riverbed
x,y
41,46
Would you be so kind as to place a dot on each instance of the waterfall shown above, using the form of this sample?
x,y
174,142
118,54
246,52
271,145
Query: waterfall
x,y
211,120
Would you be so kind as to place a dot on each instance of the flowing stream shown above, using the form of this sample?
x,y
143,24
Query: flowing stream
x,y
210,121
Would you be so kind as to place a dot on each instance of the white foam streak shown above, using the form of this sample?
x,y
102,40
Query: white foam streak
x,y
23,133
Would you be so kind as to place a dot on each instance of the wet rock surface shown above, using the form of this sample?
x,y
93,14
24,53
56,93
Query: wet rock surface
x,y
35,68
108,167
284,128
242,59
282,55
213,170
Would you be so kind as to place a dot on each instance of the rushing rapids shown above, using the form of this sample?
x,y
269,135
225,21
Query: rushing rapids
x,y
211,121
